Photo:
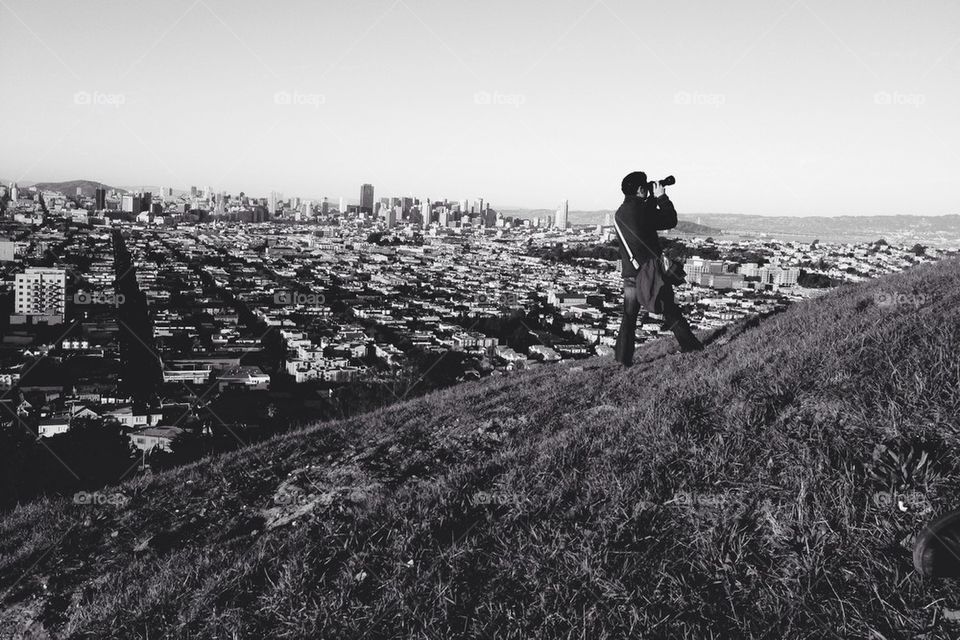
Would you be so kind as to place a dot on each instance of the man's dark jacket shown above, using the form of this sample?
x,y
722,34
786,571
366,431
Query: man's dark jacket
x,y
637,222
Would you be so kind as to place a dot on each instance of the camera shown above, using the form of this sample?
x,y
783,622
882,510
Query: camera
x,y
666,182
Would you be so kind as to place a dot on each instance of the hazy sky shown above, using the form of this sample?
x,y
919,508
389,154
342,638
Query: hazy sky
x,y
768,107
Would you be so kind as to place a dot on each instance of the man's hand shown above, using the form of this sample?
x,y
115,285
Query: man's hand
x,y
658,190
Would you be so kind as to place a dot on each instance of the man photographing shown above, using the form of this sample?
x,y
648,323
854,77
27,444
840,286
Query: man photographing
x,y
646,209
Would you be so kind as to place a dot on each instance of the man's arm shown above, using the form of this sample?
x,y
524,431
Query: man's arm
x,y
666,214
666,217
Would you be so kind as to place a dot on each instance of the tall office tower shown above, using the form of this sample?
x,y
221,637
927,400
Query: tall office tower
x,y
463,207
220,203
444,217
366,198
128,203
41,294
343,207
325,206
385,203
273,202
8,250
306,210
146,201
390,218
163,194
425,212
608,219
563,213
14,192
100,195
193,191
406,204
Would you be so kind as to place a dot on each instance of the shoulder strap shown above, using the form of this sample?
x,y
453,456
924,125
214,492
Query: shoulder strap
x,y
633,261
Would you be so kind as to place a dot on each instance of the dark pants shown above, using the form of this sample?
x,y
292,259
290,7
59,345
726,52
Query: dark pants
x,y
673,320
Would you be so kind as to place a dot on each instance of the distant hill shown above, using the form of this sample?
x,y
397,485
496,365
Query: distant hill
x,y
762,488
69,188
686,226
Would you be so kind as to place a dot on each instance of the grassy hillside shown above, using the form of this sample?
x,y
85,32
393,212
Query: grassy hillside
x,y
767,487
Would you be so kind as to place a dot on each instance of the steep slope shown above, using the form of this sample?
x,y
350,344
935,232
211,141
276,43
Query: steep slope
x,y
767,487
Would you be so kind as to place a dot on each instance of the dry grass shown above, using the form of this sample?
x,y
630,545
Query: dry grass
x,y
748,491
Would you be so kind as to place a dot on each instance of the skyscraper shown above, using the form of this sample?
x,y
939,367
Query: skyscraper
x,y
366,198
41,294
101,199
343,207
14,192
563,212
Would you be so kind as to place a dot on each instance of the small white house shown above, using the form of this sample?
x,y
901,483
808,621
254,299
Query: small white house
x,y
154,437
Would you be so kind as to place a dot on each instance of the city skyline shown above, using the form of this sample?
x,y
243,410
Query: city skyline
x,y
523,105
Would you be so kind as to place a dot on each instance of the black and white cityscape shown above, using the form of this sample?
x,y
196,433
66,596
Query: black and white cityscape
x,y
391,320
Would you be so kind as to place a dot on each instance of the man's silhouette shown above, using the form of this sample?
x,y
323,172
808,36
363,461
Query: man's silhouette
x,y
646,209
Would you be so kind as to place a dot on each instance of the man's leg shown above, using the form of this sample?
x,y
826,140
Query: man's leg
x,y
674,321
627,335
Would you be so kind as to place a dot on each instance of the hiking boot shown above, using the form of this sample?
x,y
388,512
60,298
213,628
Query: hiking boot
x,y
936,553
686,338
